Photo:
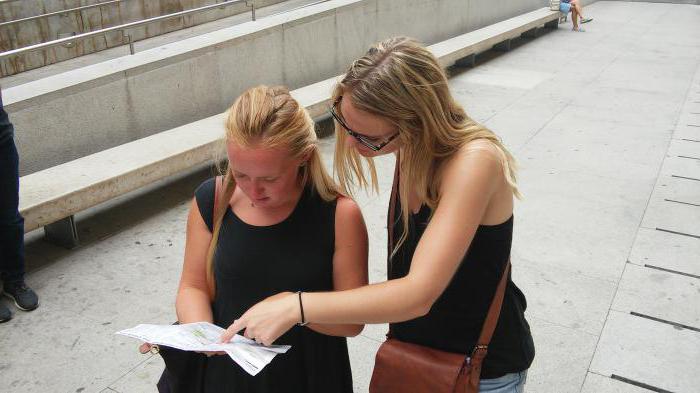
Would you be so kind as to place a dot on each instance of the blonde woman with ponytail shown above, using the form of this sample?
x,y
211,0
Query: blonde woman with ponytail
x,y
451,226
284,226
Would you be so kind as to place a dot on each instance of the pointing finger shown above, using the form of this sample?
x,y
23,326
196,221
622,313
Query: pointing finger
x,y
235,327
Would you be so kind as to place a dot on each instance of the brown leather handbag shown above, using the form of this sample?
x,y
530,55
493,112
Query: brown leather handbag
x,y
404,367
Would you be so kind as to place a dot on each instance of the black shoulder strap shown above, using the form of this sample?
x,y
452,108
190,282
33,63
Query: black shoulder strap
x,y
392,212
390,221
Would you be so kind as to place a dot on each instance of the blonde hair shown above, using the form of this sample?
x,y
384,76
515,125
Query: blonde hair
x,y
401,81
270,117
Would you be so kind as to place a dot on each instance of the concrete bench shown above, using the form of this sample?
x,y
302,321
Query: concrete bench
x,y
462,50
50,198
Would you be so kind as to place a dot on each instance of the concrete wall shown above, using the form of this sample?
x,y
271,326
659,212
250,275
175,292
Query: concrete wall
x,y
78,113
64,25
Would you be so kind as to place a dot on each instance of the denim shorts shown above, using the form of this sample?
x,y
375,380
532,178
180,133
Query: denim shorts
x,y
509,383
564,7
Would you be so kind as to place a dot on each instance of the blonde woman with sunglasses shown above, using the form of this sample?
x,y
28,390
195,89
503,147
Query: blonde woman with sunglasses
x,y
453,222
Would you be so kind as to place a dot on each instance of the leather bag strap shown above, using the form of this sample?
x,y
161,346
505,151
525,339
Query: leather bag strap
x,y
476,358
494,311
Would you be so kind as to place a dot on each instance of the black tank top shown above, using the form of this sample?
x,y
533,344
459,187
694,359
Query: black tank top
x,y
455,320
254,262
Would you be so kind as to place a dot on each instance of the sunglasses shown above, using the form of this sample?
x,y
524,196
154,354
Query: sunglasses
x,y
363,139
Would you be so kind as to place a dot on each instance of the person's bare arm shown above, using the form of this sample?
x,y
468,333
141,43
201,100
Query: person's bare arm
x,y
349,261
468,183
193,303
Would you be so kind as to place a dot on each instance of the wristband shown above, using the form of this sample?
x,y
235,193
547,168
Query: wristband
x,y
301,309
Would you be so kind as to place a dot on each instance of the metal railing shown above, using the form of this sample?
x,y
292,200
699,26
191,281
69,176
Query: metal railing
x,y
123,28
66,11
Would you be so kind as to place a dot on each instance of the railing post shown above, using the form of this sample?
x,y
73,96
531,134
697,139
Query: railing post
x,y
82,22
251,4
128,39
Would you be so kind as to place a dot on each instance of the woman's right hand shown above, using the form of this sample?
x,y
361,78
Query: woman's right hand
x,y
266,321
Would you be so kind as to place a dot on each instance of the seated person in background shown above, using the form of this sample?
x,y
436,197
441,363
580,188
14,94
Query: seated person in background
x,y
576,12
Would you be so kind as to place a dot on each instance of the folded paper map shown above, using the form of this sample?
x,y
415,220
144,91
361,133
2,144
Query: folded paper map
x,y
204,337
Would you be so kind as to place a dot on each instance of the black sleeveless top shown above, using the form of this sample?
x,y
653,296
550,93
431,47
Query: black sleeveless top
x,y
254,262
455,320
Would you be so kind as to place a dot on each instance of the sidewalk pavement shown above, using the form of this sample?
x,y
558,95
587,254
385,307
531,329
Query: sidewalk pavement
x,y
606,127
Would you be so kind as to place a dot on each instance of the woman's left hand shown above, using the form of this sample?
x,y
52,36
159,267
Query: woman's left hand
x,y
146,348
266,321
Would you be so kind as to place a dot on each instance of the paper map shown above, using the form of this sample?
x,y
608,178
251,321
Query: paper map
x,y
204,337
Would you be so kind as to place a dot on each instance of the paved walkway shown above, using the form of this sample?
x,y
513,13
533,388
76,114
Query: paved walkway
x,y
606,127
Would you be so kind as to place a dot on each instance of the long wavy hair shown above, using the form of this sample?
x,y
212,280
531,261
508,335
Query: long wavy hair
x,y
401,81
270,117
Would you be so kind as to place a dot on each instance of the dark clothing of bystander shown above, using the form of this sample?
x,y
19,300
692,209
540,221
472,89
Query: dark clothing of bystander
x,y
11,222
